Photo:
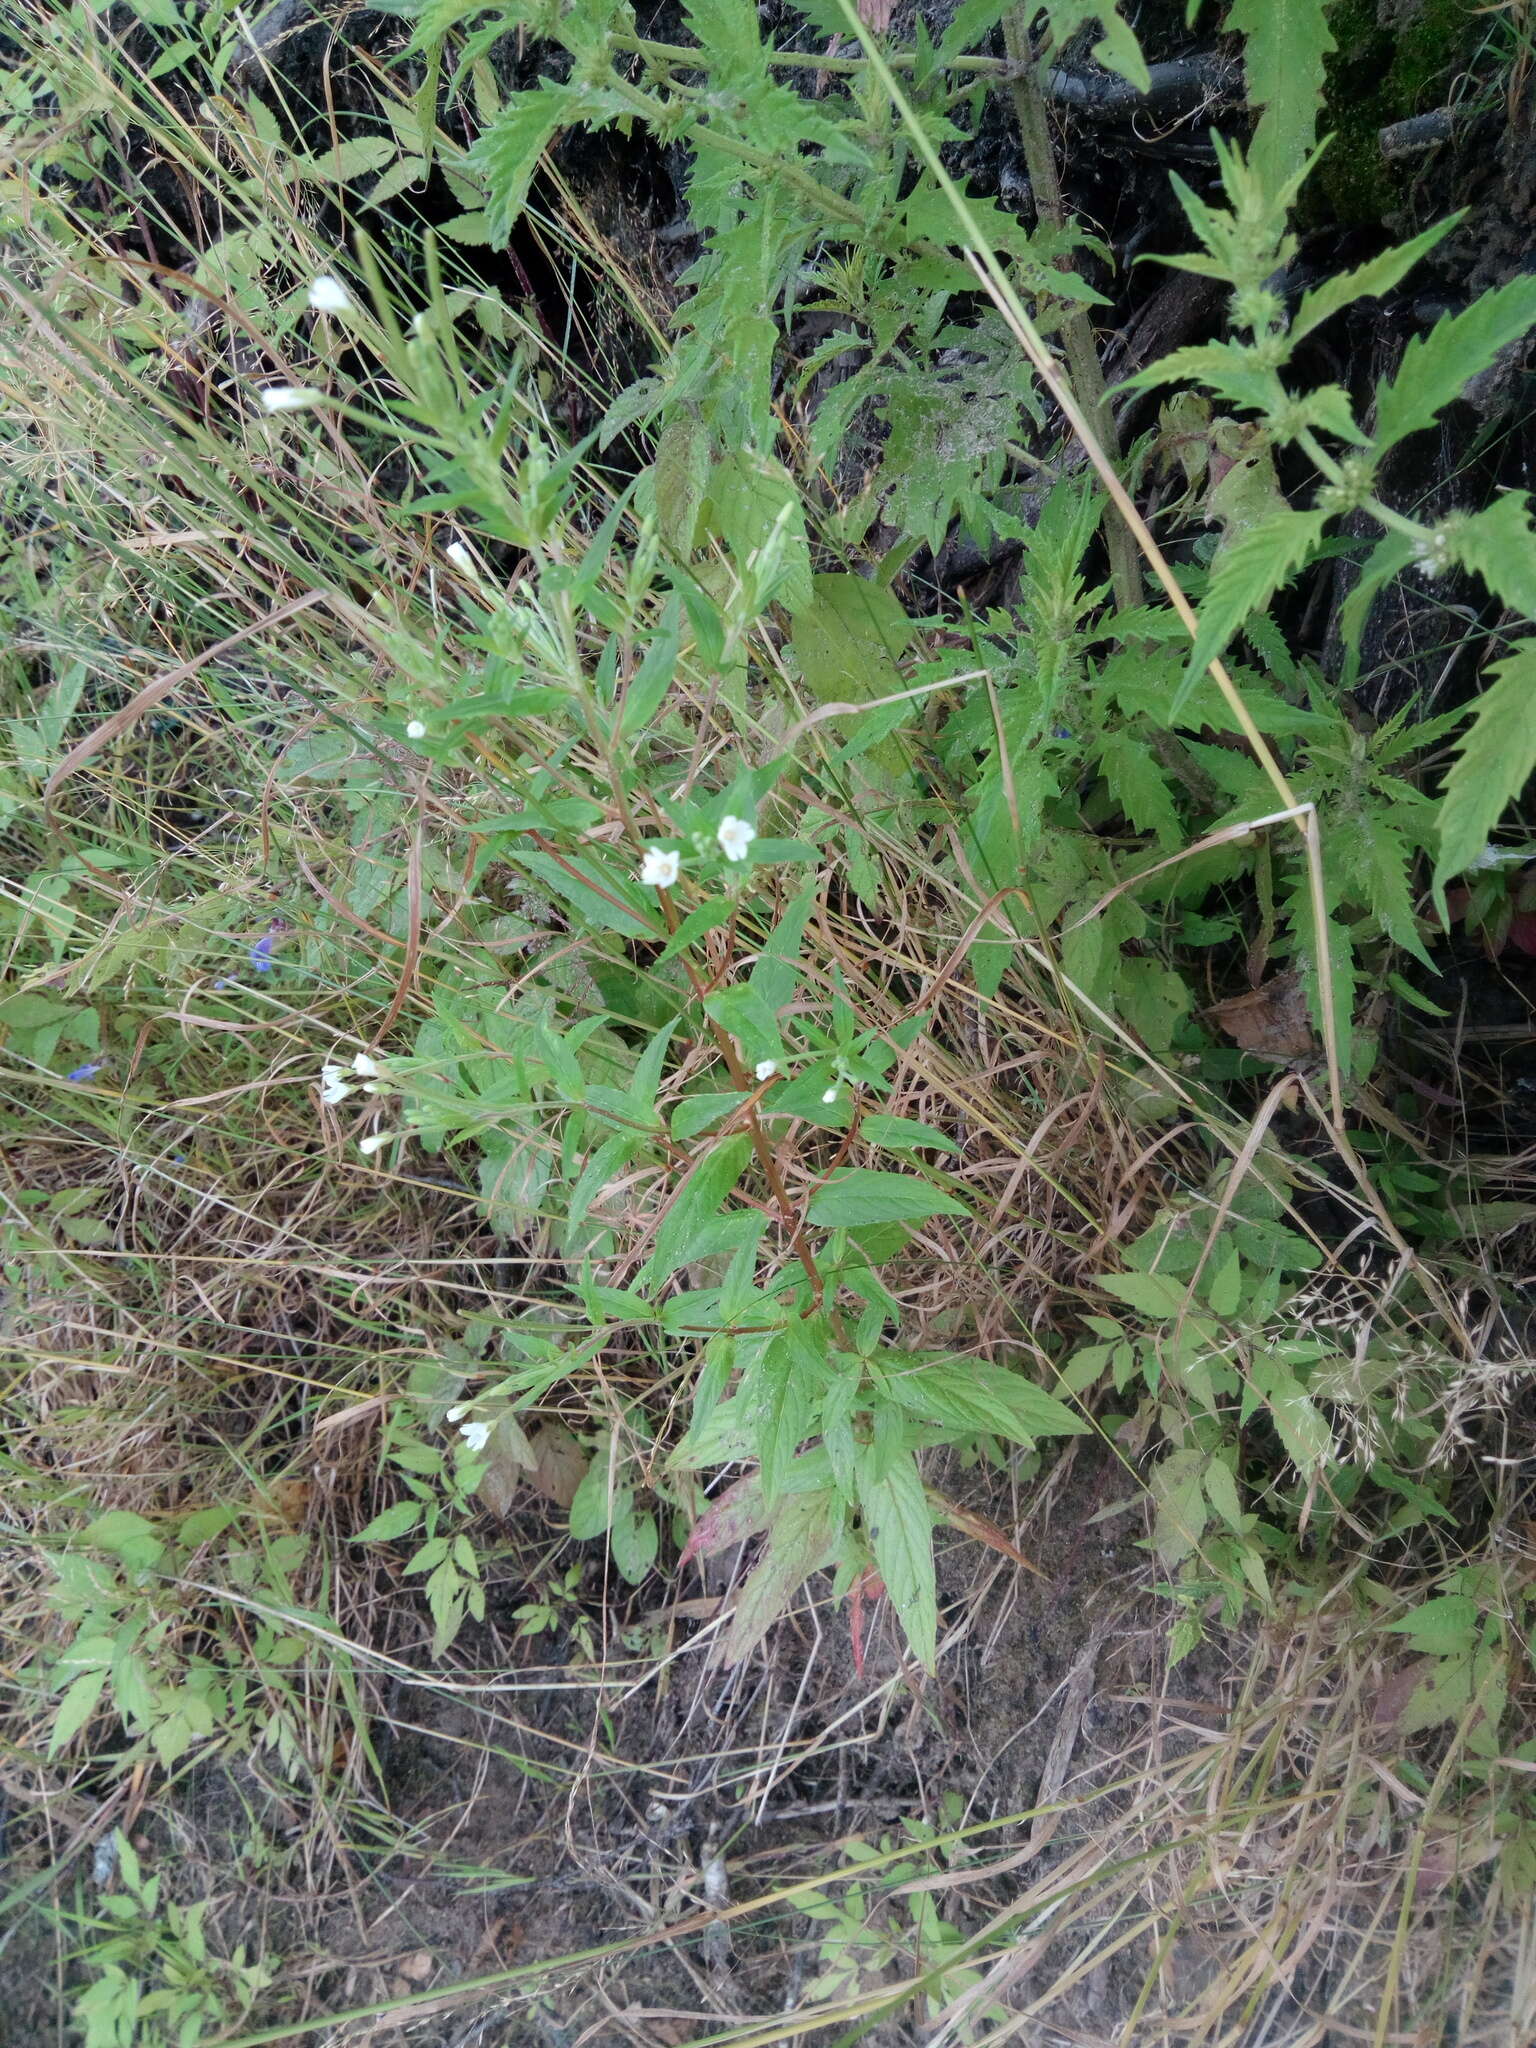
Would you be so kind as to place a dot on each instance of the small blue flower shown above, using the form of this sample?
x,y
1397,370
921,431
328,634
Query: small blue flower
x,y
260,955
86,1073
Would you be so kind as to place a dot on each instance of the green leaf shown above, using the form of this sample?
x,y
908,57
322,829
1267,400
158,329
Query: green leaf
x,y
1249,573
596,1500
634,1541
351,159
780,1390
697,1205
1221,1492
76,1708
127,1536
1444,1627
900,1526
1494,761
1299,1422
681,478
507,154
868,1196
850,639
398,1520
1436,366
981,1399
1283,60
1371,280
1499,545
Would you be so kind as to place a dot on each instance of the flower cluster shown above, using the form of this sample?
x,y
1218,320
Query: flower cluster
x,y
335,1087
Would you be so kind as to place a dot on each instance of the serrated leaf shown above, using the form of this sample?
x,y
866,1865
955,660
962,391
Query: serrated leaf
x,y
76,1708
507,154
1371,280
1442,1627
354,158
869,1196
681,476
1221,1492
1494,761
1249,573
987,1400
899,1522
1286,43
1436,366
1499,545
1299,1422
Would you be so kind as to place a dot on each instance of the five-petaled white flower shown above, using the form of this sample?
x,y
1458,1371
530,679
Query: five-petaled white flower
x,y
476,1434
735,836
829,1095
659,869
460,557
329,295
289,397
332,1087
365,1064
766,1069
415,729
368,1146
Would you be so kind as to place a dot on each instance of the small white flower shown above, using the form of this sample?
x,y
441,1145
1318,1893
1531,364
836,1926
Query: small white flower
x,y
735,836
829,1095
460,557
368,1146
329,295
365,1064
476,1434
415,730
332,1087
458,1411
659,869
766,1069
289,397
377,1088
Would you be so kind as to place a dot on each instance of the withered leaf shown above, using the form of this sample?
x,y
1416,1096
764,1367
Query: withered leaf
x,y
1271,1021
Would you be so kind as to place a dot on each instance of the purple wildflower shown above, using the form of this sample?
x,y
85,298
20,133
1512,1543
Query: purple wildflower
x,y
260,955
86,1073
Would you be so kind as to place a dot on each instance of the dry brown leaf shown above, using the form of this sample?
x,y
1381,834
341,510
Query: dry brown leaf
x,y
1271,1021
559,1463
876,14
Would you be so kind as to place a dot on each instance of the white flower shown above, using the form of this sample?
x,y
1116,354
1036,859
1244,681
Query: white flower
x,y
329,295
289,397
476,1434
659,869
766,1069
460,557
458,1411
332,1087
735,836
365,1064
415,730
368,1146
829,1095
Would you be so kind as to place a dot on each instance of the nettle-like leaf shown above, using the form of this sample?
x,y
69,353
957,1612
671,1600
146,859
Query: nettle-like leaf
x,y
1287,42
1436,366
507,154
1494,761
1251,570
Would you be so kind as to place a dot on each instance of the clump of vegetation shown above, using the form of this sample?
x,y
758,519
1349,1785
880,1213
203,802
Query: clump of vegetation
x,y
567,985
